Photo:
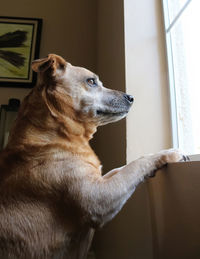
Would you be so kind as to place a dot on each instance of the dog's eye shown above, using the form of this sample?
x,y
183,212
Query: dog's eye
x,y
91,82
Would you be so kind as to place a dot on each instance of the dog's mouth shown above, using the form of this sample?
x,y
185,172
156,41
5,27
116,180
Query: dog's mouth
x,y
111,113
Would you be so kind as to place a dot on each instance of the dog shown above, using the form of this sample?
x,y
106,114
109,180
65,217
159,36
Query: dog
x,y
52,192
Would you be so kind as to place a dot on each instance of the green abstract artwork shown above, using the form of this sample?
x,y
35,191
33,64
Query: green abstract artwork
x,y
18,47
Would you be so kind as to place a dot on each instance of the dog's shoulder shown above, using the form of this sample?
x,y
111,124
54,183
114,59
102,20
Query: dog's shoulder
x,y
44,173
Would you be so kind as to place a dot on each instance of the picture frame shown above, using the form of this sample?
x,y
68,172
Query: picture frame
x,y
19,46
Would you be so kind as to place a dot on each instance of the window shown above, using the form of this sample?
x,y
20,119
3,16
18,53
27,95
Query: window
x,y
182,28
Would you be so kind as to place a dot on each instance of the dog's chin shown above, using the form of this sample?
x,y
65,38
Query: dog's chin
x,y
110,113
105,117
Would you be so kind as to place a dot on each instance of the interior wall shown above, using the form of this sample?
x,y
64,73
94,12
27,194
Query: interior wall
x,y
69,30
148,124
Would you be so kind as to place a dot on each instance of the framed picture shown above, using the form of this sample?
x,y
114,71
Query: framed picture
x,y
19,46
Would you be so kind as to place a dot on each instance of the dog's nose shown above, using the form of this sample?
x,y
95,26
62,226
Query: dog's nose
x,y
129,98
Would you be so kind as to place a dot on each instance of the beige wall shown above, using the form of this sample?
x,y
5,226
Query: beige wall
x,y
148,124
69,29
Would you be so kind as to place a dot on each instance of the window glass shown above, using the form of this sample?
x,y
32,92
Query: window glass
x,y
174,7
183,44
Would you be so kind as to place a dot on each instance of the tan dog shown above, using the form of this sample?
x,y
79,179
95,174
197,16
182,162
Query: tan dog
x,y
52,192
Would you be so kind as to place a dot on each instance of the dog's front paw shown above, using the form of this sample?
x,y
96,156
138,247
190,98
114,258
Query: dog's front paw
x,y
169,156
157,161
160,159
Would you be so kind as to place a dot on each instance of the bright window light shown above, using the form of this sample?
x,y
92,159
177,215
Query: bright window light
x,y
182,27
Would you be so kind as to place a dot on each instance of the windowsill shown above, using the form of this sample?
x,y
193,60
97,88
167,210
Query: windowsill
x,y
194,157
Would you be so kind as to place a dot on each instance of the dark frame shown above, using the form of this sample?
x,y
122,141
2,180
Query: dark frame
x,y
19,46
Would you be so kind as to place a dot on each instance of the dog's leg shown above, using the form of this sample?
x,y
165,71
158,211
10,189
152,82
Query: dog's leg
x,y
123,181
103,197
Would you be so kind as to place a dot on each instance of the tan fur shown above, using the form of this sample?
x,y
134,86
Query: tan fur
x,y
52,192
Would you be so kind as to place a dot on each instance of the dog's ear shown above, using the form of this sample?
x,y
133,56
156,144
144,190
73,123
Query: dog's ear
x,y
52,62
41,65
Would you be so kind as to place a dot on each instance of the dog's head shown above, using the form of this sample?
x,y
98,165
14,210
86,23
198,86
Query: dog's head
x,y
80,90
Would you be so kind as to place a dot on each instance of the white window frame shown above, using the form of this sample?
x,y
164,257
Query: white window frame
x,y
173,107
